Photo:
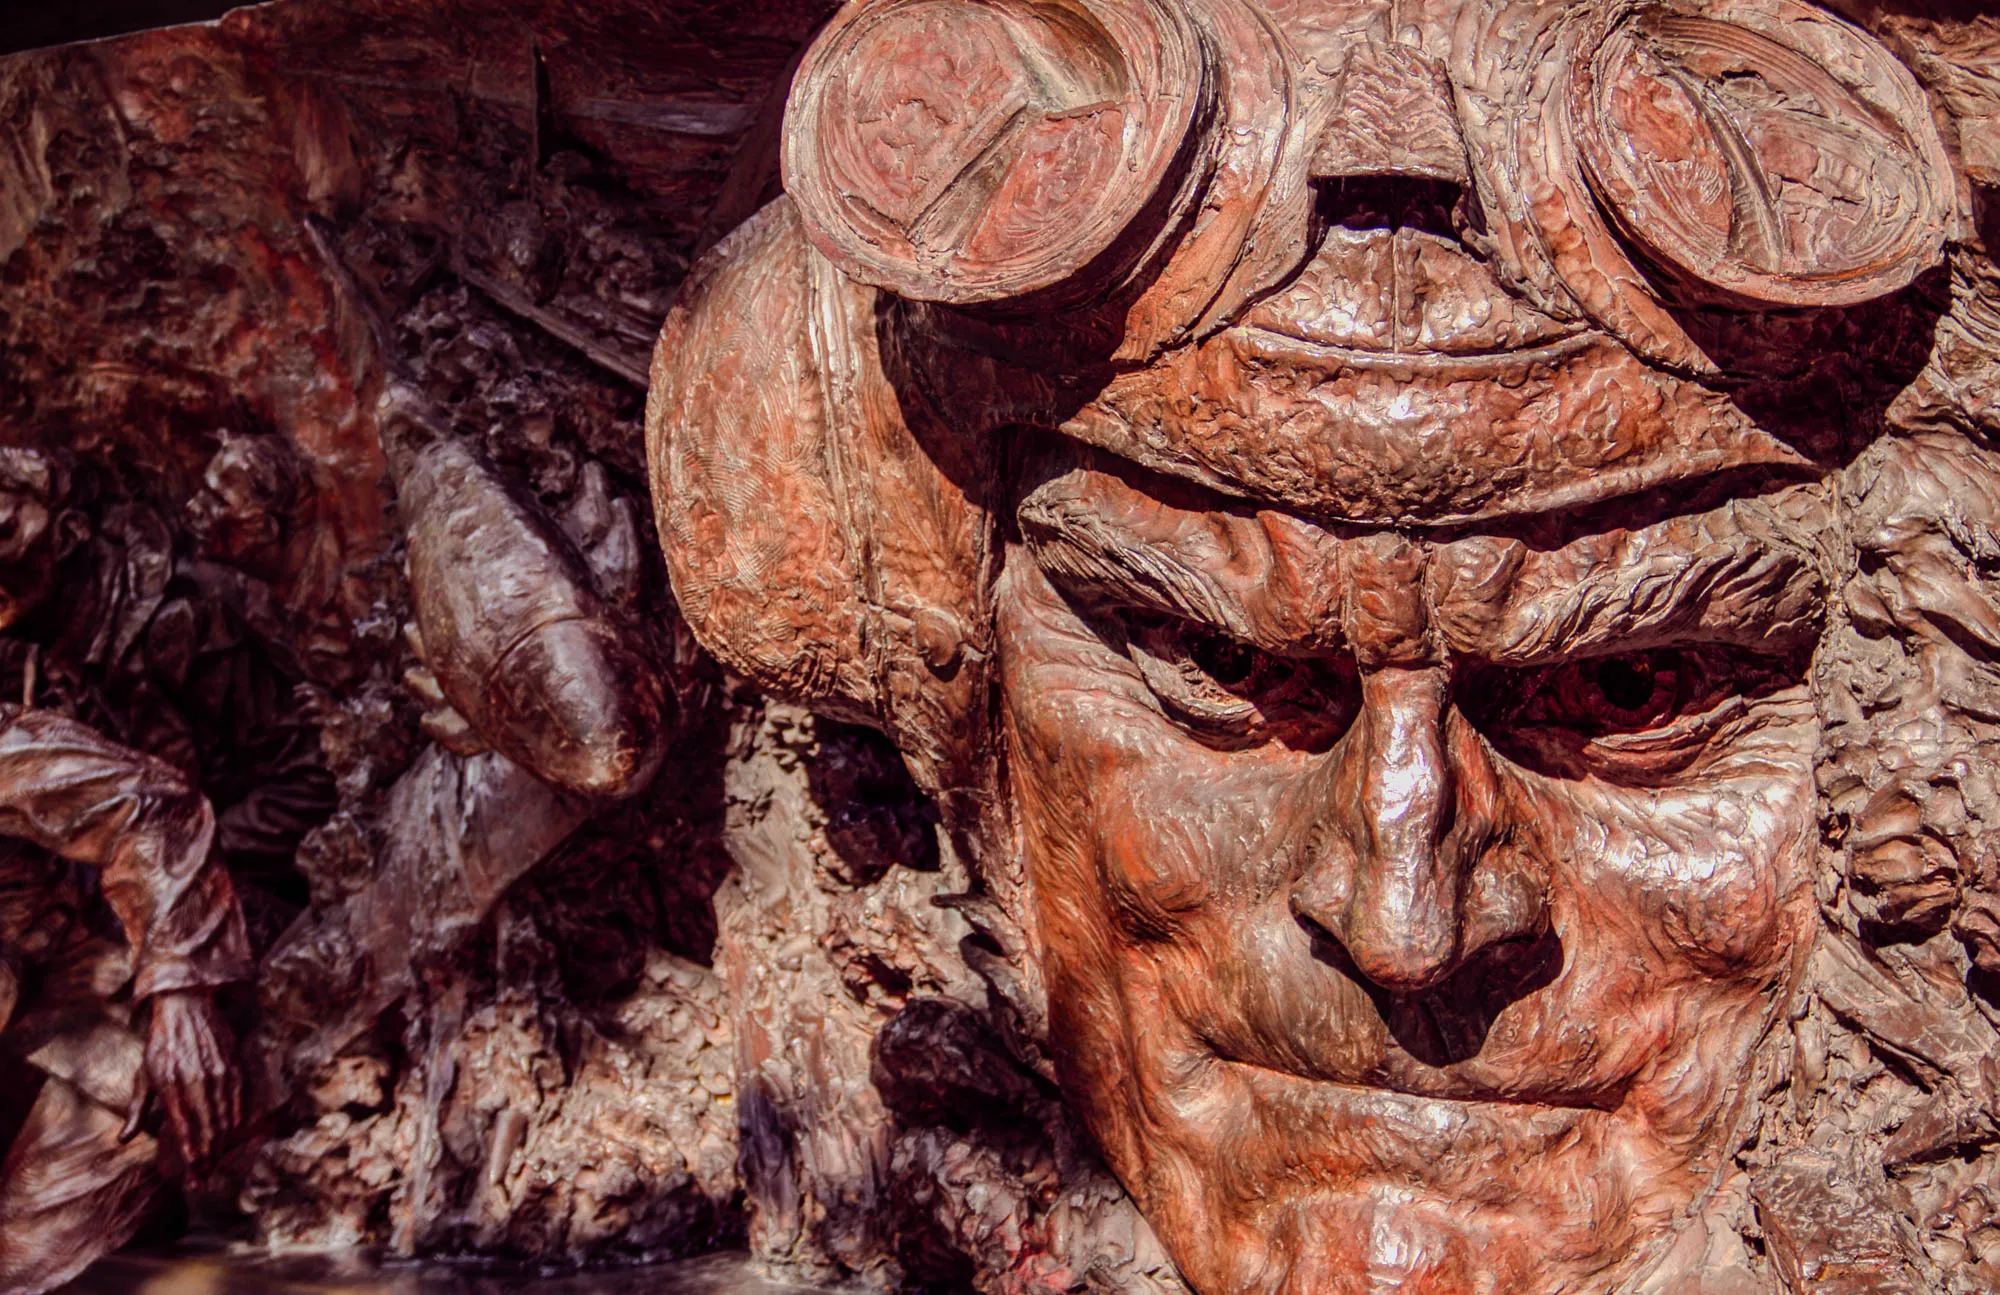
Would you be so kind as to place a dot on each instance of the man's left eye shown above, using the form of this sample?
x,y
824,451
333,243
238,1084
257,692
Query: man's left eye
x,y
1635,717
1620,694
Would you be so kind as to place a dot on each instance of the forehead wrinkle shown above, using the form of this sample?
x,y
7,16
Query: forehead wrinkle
x,y
1733,576
1743,574
1265,578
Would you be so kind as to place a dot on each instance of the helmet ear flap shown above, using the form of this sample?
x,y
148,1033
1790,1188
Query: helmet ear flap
x,y
821,540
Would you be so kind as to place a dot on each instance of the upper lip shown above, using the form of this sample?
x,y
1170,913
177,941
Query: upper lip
x,y
1469,1099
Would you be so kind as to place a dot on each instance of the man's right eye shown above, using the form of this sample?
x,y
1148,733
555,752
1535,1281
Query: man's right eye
x,y
1232,695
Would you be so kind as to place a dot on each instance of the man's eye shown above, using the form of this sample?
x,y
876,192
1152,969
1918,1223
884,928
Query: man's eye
x,y
1621,694
1635,717
1232,695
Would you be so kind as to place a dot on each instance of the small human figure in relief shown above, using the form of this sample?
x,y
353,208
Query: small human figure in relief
x,y
108,970
93,1027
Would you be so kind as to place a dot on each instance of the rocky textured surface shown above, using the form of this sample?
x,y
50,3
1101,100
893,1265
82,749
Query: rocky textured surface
x,y
238,235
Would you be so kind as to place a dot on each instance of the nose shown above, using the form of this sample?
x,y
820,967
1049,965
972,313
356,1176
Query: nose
x,y
1403,824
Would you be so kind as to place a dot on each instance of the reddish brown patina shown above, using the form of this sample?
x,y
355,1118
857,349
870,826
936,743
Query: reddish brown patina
x,y
1350,645
1330,498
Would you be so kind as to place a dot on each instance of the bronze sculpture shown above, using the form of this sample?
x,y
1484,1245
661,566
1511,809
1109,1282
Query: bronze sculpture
x,y
1292,646
96,1031
1401,780
80,1172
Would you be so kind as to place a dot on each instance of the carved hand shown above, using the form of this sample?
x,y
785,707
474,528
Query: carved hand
x,y
191,1065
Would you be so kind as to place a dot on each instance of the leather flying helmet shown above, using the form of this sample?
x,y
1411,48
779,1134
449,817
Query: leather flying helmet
x,y
1050,152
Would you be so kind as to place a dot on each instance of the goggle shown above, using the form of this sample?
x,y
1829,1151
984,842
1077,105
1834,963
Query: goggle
x,y
1630,157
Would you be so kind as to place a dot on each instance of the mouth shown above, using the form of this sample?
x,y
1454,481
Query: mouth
x,y
1431,1100
1412,1104
1386,1126
1337,1040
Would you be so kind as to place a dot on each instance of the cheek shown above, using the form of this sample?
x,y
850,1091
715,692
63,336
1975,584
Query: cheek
x,y
1131,829
1073,744
1156,872
1126,819
1716,880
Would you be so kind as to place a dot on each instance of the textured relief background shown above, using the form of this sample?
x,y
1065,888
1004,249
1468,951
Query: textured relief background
x,y
187,221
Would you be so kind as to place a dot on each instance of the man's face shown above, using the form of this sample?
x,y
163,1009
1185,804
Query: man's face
x,y
1403,631
240,510
1409,909
1413,887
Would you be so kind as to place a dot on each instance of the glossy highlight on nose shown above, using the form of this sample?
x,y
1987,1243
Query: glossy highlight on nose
x,y
1401,927
1407,816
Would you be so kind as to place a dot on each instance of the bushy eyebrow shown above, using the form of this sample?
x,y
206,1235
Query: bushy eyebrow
x,y
1264,578
1744,574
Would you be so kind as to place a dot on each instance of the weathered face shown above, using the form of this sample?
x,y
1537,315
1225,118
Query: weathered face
x,y
1409,908
1422,835
247,490
1413,888
1412,575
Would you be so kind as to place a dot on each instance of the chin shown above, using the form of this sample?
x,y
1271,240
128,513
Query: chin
x,y
1262,1181
1518,1171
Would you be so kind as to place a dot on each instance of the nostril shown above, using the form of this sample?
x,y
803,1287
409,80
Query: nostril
x,y
1502,904
1315,929
1446,1020
1329,948
1400,959
1320,898
1416,944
